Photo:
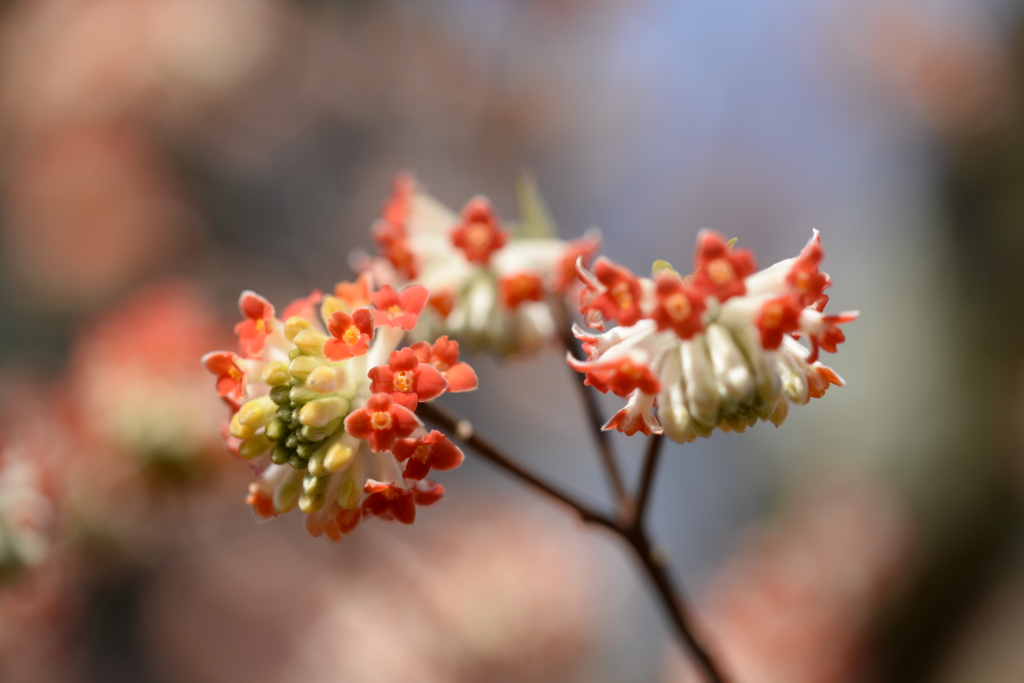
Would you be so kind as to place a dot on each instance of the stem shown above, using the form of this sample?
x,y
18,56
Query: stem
x,y
465,433
630,530
650,465
603,443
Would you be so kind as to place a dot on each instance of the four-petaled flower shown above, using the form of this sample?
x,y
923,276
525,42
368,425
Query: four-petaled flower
x,y
350,334
779,317
398,309
259,320
381,421
407,379
479,234
611,291
433,451
444,355
679,307
389,501
720,268
230,377
515,289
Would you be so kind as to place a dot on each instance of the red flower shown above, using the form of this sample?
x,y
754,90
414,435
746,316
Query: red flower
x,y
380,422
399,309
620,376
407,379
719,268
804,277
389,502
828,335
444,355
433,451
583,248
442,302
778,317
354,294
515,289
230,378
427,492
618,297
479,234
679,307
304,307
350,334
259,320
394,245
396,209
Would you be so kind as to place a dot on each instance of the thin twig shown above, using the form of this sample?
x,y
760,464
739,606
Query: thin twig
x,y
630,530
650,465
590,408
465,433
654,565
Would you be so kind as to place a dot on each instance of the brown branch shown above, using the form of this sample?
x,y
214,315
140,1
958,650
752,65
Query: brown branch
x,y
590,409
630,530
463,431
651,458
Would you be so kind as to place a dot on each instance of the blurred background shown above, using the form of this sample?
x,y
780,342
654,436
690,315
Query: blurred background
x,y
158,157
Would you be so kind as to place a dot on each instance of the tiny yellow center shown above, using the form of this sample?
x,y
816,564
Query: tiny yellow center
x,y
422,453
352,335
623,297
404,380
721,271
772,315
678,307
394,312
381,420
478,235
261,325
629,370
803,281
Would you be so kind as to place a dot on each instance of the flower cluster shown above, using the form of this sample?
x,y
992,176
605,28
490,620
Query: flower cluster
x,y
716,348
323,405
488,284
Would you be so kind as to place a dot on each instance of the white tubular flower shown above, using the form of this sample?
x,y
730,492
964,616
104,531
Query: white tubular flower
x,y
489,285
715,349
323,406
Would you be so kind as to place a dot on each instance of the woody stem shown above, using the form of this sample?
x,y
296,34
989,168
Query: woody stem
x,y
630,529
604,446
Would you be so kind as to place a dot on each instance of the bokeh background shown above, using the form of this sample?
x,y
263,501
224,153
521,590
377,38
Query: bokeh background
x,y
158,157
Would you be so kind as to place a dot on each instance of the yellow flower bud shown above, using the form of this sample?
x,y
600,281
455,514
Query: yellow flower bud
x,y
276,373
338,457
294,325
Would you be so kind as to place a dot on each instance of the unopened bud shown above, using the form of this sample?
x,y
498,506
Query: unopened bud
x,y
257,412
287,494
297,462
348,494
320,412
325,379
276,373
310,503
294,325
315,466
280,455
281,396
301,366
780,413
310,341
313,484
338,457
239,430
254,447
277,430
